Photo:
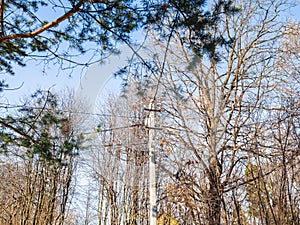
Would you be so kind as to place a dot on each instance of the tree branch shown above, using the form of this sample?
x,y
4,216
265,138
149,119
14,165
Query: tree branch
x,y
16,130
45,27
1,18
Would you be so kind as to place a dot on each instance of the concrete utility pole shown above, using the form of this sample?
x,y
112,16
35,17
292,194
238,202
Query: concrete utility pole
x,y
152,163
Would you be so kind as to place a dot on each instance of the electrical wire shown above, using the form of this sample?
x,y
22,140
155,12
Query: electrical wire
x,y
6,106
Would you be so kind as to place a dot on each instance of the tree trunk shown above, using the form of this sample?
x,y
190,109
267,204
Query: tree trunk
x,y
214,205
214,195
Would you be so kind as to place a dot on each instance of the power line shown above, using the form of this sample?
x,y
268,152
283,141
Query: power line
x,y
6,106
114,128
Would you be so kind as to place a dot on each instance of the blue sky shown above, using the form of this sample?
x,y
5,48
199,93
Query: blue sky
x,y
34,76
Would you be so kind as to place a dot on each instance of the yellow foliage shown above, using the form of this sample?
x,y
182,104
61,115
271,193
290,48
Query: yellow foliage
x,y
165,219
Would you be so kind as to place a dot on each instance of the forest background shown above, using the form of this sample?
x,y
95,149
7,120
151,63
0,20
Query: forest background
x,y
224,77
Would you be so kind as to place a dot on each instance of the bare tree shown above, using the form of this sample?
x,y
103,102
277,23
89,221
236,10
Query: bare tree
x,y
220,112
118,160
